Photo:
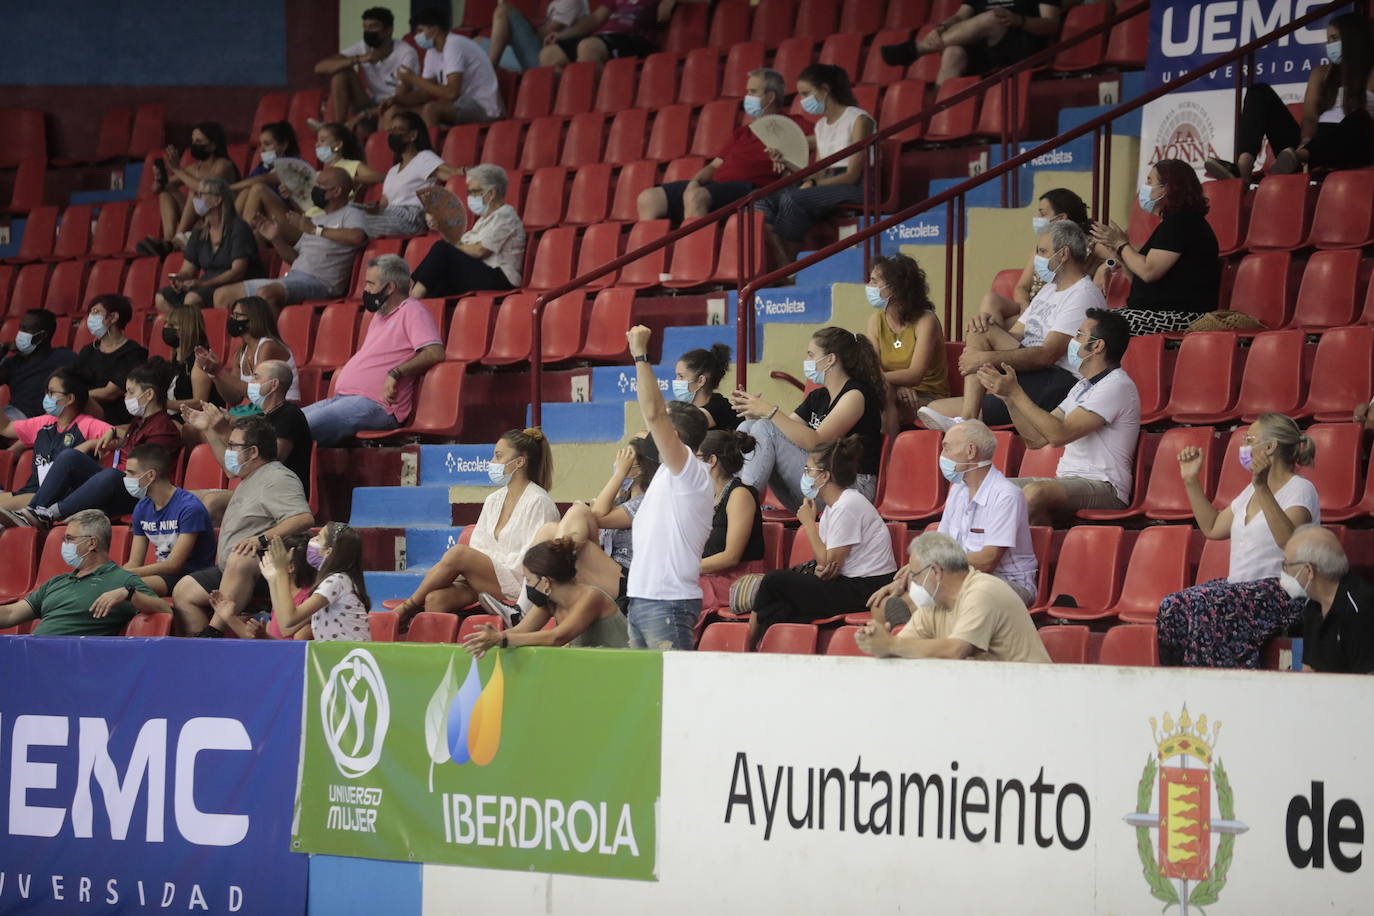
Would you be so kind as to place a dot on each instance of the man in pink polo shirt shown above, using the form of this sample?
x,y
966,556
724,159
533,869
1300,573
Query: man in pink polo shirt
x,y
376,388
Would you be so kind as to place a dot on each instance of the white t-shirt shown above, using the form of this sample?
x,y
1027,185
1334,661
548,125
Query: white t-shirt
x,y
1254,554
507,549
381,77
1107,452
344,617
1054,309
466,57
995,516
326,260
503,234
670,531
400,184
566,11
853,522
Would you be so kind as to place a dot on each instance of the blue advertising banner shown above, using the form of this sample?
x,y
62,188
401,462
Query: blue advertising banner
x,y
149,775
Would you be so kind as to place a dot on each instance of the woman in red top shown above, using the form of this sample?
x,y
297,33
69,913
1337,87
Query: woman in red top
x,y
77,481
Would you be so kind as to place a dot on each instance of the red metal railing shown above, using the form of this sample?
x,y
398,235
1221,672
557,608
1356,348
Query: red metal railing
x,y
954,198
746,242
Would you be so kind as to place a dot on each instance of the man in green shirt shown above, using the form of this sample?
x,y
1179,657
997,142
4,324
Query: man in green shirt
x,y
97,598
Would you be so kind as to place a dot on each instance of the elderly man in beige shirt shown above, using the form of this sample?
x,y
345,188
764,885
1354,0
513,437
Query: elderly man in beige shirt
x,y
958,612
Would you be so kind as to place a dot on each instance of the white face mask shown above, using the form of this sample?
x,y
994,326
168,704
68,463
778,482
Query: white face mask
x,y
919,595
134,406
1291,586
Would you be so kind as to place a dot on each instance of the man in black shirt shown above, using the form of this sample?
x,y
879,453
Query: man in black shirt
x,y
1338,621
982,36
32,360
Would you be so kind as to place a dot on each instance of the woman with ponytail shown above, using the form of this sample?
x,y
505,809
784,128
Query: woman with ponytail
x,y
1224,623
699,374
850,400
521,469
735,545
585,616
850,544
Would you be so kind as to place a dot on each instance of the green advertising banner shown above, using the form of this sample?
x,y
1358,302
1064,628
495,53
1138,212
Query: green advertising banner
x,y
531,759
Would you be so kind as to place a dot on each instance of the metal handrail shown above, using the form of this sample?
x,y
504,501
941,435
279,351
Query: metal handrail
x,y
744,309
745,242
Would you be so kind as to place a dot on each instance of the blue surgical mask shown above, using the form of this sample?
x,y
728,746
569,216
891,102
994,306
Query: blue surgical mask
x,y
70,555
1042,269
1147,203
1333,51
324,154
948,465
231,462
812,105
1075,356
424,41
496,473
875,299
682,391
200,206
268,157
50,406
96,325
476,204
753,106
1040,224
813,375
255,396
1244,456
23,342
131,485
810,489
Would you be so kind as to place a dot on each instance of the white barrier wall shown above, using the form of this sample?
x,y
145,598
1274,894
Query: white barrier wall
x,y
834,785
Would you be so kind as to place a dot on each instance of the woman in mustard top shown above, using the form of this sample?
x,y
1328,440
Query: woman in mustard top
x,y
908,337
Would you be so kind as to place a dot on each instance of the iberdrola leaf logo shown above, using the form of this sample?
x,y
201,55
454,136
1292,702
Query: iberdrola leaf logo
x,y
463,723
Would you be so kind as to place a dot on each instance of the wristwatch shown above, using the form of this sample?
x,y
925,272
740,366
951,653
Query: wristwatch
x,y
395,373
642,358
128,593
262,542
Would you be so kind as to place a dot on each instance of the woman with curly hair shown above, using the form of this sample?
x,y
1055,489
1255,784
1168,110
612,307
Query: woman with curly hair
x,y
907,335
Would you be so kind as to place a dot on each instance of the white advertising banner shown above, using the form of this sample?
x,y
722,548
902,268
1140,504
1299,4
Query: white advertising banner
x,y
846,785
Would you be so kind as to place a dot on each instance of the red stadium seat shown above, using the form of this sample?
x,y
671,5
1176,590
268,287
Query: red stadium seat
x,y
773,21
429,626
590,194
742,59
203,472
725,637
553,259
657,86
1010,448
609,321
30,288
646,271
843,50
687,28
842,642
694,258
1146,445
20,547
816,18
793,56
1088,569
65,287
1280,214
907,15
7,272
145,221
112,139
513,335
1330,292
271,107
576,88
542,142
73,233
861,18
1233,478
470,329
417,248
1085,55
438,406
1166,499
1342,374
957,122
106,277
296,325
918,492
700,74
1263,287
1206,378
378,155
1145,363
562,336
1004,285
141,282
535,96
684,168
22,134
383,626
1341,458
729,23
27,190
582,147
902,100
668,137
1066,645
789,639
1275,374
50,562
1040,462
1128,43
1130,644
461,144
334,337
600,246
1344,217
625,142
149,625
39,228
715,126
616,90
1227,213
110,228
1158,566
502,143
544,203
990,116
728,271
472,623
147,133
878,72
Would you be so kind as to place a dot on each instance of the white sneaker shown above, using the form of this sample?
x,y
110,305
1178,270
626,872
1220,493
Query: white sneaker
x,y
509,613
938,421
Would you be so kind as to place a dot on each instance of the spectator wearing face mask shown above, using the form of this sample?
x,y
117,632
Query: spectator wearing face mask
x,y
104,363
320,250
253,322
697,375
166,519
277,140
1338,620
1053,206
398,211
489,256
220,251
63,425
458,85
335,147
907,335
338,604
31,360
174,185
183,333
376,58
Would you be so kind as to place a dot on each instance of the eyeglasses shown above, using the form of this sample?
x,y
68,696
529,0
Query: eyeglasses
x,y
1090,338
236,445
807,467
73,538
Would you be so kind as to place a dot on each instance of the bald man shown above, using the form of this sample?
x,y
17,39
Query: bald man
x,y
1338,621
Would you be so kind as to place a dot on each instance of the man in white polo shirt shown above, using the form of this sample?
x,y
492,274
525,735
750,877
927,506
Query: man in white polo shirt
x,y
1097,424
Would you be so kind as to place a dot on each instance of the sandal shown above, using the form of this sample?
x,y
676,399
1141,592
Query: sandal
x,y
1285,163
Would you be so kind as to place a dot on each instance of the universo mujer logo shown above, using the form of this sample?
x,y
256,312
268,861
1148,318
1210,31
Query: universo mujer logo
x,y
355,713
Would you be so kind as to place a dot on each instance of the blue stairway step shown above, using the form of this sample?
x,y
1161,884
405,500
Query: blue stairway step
x,y
678,340
588,422
454,465
388,586
400,507
1074,156
1127,125
988,194
846,266
790,304
425,546
928,228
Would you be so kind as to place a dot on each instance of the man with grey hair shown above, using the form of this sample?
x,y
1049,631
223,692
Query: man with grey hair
x,y
1338,621
375,389
956,612
319,249
744,164
490,255
97,598
1035,343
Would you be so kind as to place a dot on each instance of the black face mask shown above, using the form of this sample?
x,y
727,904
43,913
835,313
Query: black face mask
x,y
397,142
537,598
374,301
318,197
170,337
236,327
200,152
372,39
